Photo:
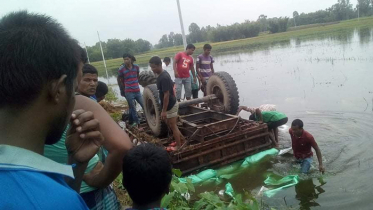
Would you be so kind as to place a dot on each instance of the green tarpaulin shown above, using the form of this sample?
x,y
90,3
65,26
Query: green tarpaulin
x,y
229,171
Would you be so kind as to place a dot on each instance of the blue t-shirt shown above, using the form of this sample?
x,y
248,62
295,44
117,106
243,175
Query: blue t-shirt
x,y
30,181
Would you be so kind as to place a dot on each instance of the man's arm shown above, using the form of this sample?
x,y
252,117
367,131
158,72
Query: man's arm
x,y
212,67
116,142
194,74
121,86
319,157
176,60
240,108
166,100
82,143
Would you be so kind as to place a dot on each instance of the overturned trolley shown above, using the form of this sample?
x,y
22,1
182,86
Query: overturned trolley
x,y
214,135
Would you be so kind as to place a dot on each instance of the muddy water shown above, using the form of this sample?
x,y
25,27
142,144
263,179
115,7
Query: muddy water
x,y
328,83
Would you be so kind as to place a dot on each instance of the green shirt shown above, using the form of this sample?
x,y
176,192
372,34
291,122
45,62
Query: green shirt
x,y
195,86
58,153
271,116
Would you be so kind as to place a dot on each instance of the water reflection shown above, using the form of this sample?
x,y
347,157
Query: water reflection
x,y
307,193
365,35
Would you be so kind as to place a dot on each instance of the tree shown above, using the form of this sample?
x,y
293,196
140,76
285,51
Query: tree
x,y
295,16
178,39
114,48
163,42
363,7
142,45
128,46
171,39
194,33
262,19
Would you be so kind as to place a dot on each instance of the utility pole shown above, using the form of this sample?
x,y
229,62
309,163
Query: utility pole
x,y
181,24
85,46
103,58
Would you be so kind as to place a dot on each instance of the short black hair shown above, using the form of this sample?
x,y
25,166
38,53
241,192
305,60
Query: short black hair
x,y
89,69
297,122
128,55
155,60
34,50
207,47
147,173
102,89
166,59
190,46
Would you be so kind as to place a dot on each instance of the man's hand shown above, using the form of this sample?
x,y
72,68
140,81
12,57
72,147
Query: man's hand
x,y
89,178
164,115
240,108
176,74
84,138
321,169
195,80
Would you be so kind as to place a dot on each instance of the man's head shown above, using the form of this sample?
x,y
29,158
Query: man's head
x,y
39,63
101,91
190,49
156,64
128,59
297,127
167,61
147,173
88,83
207,49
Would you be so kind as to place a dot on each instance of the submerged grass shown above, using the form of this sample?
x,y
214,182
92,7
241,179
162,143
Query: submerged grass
x,y
263,41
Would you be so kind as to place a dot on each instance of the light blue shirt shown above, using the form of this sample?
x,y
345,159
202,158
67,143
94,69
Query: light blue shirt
x,y
31,181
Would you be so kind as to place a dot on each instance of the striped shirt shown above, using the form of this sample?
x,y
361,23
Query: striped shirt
x,y
130,80
205,65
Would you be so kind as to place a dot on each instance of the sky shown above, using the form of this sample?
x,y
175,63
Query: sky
x,y
150,19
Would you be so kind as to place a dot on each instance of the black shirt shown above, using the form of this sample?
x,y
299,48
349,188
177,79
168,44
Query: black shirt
x,y
164,84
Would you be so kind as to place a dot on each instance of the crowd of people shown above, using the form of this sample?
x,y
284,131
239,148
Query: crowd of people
x,y
59,149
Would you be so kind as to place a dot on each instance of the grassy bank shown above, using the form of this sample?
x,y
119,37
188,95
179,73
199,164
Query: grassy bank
x,y
263,41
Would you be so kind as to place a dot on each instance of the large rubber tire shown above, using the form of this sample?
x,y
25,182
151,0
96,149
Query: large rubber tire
x,y
147,78
224,87
152,110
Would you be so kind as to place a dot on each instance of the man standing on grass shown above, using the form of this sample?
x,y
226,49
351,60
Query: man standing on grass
x,y
183,62
170,107
128,75
204,66
302,141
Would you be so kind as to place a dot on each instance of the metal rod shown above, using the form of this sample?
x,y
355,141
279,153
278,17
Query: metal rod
x,y
103,58
197,101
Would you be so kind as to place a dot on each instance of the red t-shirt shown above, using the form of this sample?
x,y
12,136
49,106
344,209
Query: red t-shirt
x,y
183,64
302,145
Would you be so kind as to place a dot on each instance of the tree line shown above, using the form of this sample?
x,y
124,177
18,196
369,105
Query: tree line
x,y
114,48
342,10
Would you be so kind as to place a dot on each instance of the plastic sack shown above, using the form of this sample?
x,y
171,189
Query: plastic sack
x,y
286,181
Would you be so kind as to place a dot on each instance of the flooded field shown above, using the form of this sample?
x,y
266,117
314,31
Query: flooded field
x,y
327,82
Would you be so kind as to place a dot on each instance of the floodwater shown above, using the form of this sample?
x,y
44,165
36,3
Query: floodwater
x,y
328,83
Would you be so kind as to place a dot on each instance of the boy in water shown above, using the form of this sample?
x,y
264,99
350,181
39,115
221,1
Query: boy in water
x,y
204,66
147,174
170,107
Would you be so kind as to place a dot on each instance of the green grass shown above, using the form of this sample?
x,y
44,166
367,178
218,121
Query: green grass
x,y
263,41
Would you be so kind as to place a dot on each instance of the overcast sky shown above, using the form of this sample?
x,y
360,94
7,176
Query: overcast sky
x,y
150,19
